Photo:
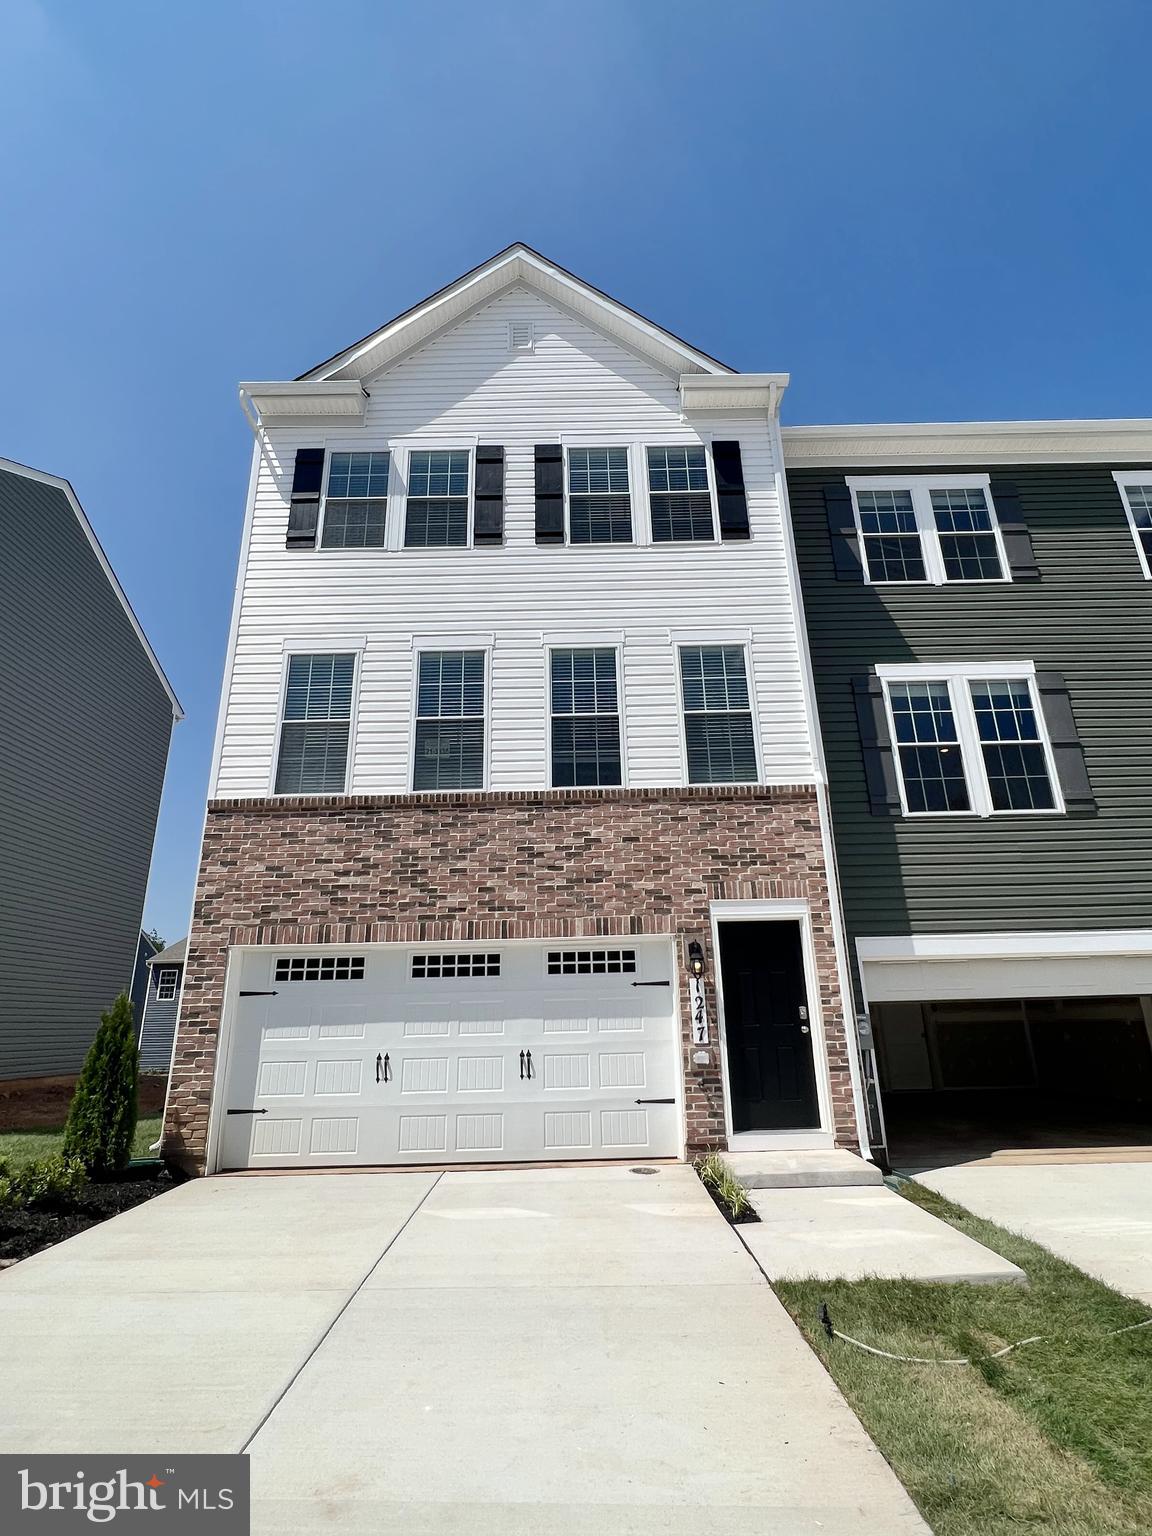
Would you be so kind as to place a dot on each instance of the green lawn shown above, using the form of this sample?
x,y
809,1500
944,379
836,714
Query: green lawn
x,y
1056,1438
22,1146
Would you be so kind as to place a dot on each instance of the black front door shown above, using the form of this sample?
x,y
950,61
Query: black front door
x,y
771,1076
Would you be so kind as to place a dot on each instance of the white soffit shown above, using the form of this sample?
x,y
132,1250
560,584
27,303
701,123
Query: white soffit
x,y
964,442
732,391
283,403
517,266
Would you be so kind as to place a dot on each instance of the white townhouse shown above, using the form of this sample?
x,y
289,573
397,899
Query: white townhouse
x,y
515,846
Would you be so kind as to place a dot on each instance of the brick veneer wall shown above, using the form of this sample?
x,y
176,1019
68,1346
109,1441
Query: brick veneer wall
x,y
513,865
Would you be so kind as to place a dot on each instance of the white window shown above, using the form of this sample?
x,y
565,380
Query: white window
x,y
316,725
718,729
167,982
1135,486
449,721
969,740
356,504
439,491
680,495
928,528
599,496
585,717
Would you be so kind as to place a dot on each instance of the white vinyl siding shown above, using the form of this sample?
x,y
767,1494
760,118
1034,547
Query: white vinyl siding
x,y
575,387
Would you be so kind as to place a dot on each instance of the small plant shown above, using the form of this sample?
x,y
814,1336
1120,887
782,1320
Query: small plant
x,y
724,1187
102,1119
46,1183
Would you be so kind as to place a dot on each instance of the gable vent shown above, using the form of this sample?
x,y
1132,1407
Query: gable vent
x,y
521,335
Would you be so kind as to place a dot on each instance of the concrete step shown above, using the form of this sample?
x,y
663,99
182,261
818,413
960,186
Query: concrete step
x,y
829,1168
856,1234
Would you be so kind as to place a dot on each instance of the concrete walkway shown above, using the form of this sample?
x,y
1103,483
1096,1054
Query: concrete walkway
x,y
524,1352
1098,1216
853,1234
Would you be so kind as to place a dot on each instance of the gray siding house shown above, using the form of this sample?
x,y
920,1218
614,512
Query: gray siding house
x,y
162,1004
88,715
979,608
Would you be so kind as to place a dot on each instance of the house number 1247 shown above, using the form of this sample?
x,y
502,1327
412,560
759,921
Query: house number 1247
x,y
701,1034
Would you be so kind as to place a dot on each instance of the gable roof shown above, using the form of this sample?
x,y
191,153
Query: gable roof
x,y
516,266
173,955
9,466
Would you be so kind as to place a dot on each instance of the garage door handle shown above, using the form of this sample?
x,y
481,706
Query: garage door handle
x,y
655,1101
521,1066
531,1073
383,1068
247,1111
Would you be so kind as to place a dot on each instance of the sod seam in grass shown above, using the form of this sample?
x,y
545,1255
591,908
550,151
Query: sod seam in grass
x,y
1054,1439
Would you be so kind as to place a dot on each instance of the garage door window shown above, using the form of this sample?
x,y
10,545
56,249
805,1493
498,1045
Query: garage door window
x,y
450,721
591,962
321,968
453,967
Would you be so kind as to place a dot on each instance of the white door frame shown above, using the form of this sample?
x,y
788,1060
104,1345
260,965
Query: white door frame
x,y
239,953
779,910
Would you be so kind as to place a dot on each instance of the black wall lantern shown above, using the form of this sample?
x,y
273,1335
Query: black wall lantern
x,y
695,958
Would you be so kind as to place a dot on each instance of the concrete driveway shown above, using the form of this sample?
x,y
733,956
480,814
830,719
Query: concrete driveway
x,y
1096,1215
522,1352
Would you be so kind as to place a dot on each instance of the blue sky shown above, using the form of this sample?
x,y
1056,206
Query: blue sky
x,y
922,211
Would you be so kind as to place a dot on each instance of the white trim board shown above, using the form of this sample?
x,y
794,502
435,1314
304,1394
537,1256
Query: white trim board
x,y
979,442
60,484
950,967
783,909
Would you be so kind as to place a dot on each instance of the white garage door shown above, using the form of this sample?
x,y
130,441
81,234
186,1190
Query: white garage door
x,y
514,1052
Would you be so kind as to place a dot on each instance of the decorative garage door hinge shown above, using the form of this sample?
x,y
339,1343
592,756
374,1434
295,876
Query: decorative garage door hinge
x,y
635,984
259,994
247,1111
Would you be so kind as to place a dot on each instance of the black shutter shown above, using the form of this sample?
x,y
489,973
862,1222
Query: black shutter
x,y
1067,752
730,491
879,754
1014,531
304,508
549,493
488,514
842,528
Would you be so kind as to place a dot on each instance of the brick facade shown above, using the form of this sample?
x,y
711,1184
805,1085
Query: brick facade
x,y
512,865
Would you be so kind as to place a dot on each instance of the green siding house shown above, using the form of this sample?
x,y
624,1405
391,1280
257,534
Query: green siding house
x,y
979,611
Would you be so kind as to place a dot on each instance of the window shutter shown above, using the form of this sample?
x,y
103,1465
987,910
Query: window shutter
x,y
730,491
549,493
1071,769
488,514
1014,531
842,529
304,508
876,744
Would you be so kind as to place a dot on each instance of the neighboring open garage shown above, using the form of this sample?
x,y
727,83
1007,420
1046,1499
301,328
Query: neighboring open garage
x,y
449,1053
980,1054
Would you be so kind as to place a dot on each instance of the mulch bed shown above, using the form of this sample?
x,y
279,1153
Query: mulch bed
x,y
26,1232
